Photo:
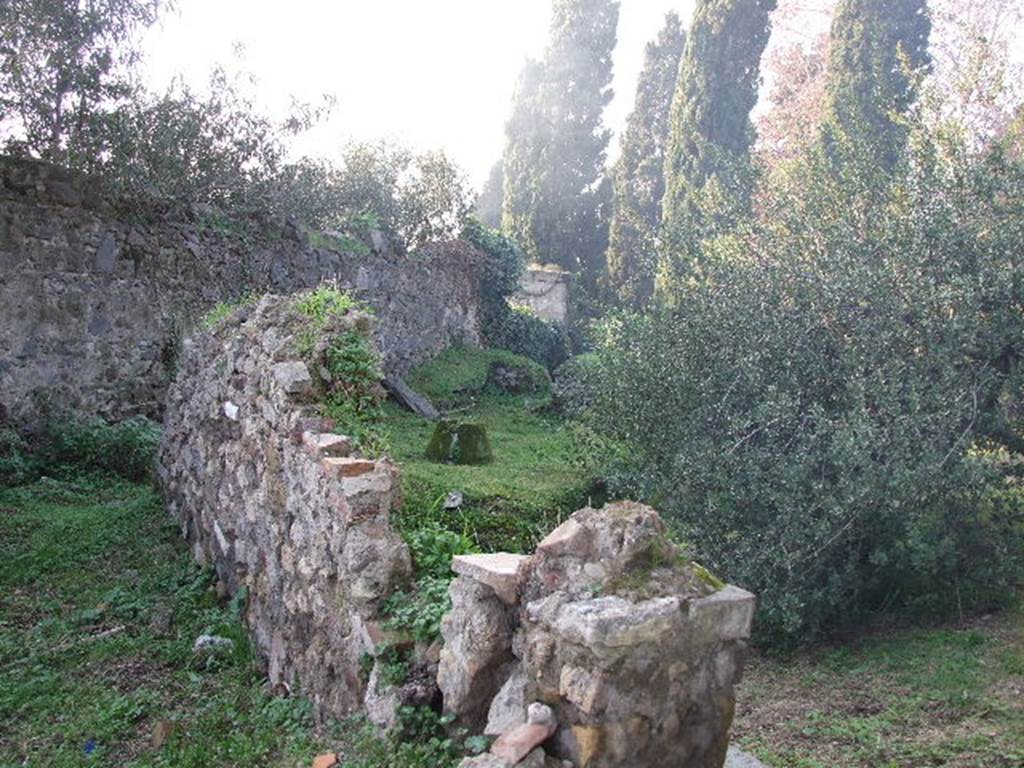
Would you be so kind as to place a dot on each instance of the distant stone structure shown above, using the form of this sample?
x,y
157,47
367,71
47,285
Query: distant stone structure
x,y
545,290
97,291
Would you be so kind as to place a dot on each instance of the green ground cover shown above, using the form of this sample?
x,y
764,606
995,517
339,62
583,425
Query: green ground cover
x,y
100,604
534,481
944,696
90,572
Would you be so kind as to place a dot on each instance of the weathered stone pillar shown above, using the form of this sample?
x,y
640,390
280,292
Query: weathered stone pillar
x,y
634,649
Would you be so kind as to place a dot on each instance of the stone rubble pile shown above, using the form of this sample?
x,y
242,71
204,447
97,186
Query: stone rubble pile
x,y
605,649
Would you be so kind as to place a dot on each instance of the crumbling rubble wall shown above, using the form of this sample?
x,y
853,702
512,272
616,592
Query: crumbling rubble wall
x,y
278,504
605,648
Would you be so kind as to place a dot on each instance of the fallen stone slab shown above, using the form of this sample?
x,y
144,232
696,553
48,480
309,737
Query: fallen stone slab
x,y
410,399
501,572
514,746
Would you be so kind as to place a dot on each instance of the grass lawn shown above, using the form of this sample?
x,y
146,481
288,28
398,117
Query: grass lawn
x,y
531,486
99,607
901,698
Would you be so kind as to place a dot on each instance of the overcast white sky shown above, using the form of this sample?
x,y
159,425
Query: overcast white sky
x,y
430,73
427,73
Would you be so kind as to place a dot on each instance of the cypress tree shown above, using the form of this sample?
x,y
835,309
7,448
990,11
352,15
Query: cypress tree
x,y
877,47
639,174
556,143
489,202
708,171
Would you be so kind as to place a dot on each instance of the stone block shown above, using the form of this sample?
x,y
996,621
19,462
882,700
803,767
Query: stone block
x,y
327,445
477,652
500,571
293,378
568,538
613,622
340,468
508,709
728,613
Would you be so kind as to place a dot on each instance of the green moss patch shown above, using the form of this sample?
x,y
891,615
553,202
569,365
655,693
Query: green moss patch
x,y
455,443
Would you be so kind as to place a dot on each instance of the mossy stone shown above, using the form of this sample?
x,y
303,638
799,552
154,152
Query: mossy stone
x,y
460,443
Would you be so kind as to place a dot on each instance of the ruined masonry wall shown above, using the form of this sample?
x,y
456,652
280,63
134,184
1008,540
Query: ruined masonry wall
x,y
276,503
97,291
604,649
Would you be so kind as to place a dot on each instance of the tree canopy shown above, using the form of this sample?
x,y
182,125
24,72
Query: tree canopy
x,y
556,146
708,173
878,49
639,174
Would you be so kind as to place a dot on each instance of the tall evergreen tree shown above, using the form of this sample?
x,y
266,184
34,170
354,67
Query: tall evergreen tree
x,y
556,147
877,46
489,202
708,172
639,175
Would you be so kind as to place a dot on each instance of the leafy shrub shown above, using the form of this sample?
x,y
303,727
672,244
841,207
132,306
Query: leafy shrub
x,y
421,740
17,465
809,407
419,612
347,364
573,384
520,330
505,326
433,547
126,449
502,269
324,302
223,309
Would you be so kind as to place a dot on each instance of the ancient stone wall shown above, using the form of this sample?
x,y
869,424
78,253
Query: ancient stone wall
x,y
545,290
95,291
605,648
277,503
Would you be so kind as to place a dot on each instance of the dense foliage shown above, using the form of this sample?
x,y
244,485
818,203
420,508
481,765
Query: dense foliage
x,y
71,445
817,409
505,325
878,49
64,69
708,174
555,203
639,174
68,94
